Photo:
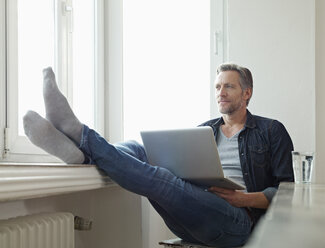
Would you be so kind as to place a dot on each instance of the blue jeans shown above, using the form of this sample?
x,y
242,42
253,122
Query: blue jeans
x,y
189,211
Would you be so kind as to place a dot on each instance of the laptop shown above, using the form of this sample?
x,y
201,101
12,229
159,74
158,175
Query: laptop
x,y
190,154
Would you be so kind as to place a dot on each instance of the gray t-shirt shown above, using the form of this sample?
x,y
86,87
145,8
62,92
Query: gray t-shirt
x,y
229,156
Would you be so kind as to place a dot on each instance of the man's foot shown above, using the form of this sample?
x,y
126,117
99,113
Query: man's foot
x,y
44,135
57,108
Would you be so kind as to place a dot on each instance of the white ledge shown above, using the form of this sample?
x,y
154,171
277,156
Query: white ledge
x,y
296,218
31,180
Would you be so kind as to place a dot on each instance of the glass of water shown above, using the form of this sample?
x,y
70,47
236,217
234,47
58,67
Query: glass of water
x,y
303,163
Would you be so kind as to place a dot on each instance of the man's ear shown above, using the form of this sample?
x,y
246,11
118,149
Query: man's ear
x,y
248,93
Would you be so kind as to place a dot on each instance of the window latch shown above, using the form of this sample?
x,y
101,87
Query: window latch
x,y
68,8
68,11
217,38
6,149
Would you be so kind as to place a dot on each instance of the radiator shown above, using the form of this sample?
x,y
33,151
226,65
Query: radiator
x,y
47,230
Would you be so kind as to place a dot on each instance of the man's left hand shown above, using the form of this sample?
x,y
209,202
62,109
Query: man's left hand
x,y
234,197
238,198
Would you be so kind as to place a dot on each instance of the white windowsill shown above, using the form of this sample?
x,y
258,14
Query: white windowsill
x,y
32,180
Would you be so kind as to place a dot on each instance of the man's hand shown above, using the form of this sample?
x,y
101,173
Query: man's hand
x,y
241,199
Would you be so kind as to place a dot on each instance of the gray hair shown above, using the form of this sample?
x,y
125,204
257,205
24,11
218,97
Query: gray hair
x,y
245,76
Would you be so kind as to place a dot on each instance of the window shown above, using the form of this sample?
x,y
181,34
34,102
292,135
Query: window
x,y
63,34
69,35
170,53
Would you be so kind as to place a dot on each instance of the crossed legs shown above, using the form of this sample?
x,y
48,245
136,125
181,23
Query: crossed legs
x,y
188,210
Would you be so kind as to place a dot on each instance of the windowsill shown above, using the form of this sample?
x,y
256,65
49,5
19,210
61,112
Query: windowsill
x,y
32,180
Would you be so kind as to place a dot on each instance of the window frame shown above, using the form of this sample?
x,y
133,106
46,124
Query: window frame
x,y
108,70
114,67
18,148
3,73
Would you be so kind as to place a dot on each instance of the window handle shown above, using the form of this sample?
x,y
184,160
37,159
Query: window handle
x,y
68,10
217,38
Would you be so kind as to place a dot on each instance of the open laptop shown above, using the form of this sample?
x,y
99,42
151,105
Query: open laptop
x,y
190,154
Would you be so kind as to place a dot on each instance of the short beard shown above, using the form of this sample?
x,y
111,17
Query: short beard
x,y
232,109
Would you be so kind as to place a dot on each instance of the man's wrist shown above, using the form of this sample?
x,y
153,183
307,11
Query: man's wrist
x,y
257,200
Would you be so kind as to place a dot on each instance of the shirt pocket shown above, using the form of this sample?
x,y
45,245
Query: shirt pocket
x,y
260,156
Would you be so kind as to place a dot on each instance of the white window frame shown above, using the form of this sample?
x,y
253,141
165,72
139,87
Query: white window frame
x,y
219,46
109,70
3,73
114,67
17,148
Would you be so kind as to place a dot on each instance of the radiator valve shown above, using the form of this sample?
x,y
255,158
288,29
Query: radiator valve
x,y
82,224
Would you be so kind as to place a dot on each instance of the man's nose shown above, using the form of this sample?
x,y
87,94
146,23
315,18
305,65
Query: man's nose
x,y
221,91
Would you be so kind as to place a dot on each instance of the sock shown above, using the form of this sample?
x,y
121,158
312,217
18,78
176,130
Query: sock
x,y
44,135
57,108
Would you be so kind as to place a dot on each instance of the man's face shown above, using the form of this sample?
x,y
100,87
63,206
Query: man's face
x,y
230,96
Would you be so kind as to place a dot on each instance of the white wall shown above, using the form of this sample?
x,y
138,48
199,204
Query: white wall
x,y
114,211
283,43
320,90
153,226
2,70
275,39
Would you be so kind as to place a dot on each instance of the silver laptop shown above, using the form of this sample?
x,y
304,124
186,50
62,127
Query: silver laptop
x,y
190,154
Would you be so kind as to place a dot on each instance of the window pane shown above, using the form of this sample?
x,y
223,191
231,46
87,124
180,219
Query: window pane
x,y
35,52
83,60
166,71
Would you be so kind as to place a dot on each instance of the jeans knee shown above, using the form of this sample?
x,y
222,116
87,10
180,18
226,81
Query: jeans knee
x,y
133,148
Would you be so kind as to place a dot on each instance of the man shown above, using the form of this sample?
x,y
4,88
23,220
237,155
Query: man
x,y
221,217
262,147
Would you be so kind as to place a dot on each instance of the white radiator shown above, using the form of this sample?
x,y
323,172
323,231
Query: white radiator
x,y
48,230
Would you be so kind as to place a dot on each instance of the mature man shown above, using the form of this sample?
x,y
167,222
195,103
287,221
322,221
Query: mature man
x,y
255,150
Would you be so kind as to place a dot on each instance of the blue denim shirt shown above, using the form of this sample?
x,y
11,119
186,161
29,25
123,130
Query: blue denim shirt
x,y
265,155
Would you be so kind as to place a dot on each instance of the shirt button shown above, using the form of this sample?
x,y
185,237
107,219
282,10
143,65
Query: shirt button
x,y
242,154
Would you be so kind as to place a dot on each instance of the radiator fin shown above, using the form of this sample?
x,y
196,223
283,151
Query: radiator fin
x,y
46,230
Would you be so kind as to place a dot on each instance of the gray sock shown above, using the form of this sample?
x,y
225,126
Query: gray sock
x,y
58,110
44,135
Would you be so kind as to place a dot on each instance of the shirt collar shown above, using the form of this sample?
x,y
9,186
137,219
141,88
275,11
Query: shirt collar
x,y
250,121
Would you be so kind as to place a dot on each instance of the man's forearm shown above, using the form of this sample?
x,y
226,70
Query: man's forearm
x,y
256,200
239,198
